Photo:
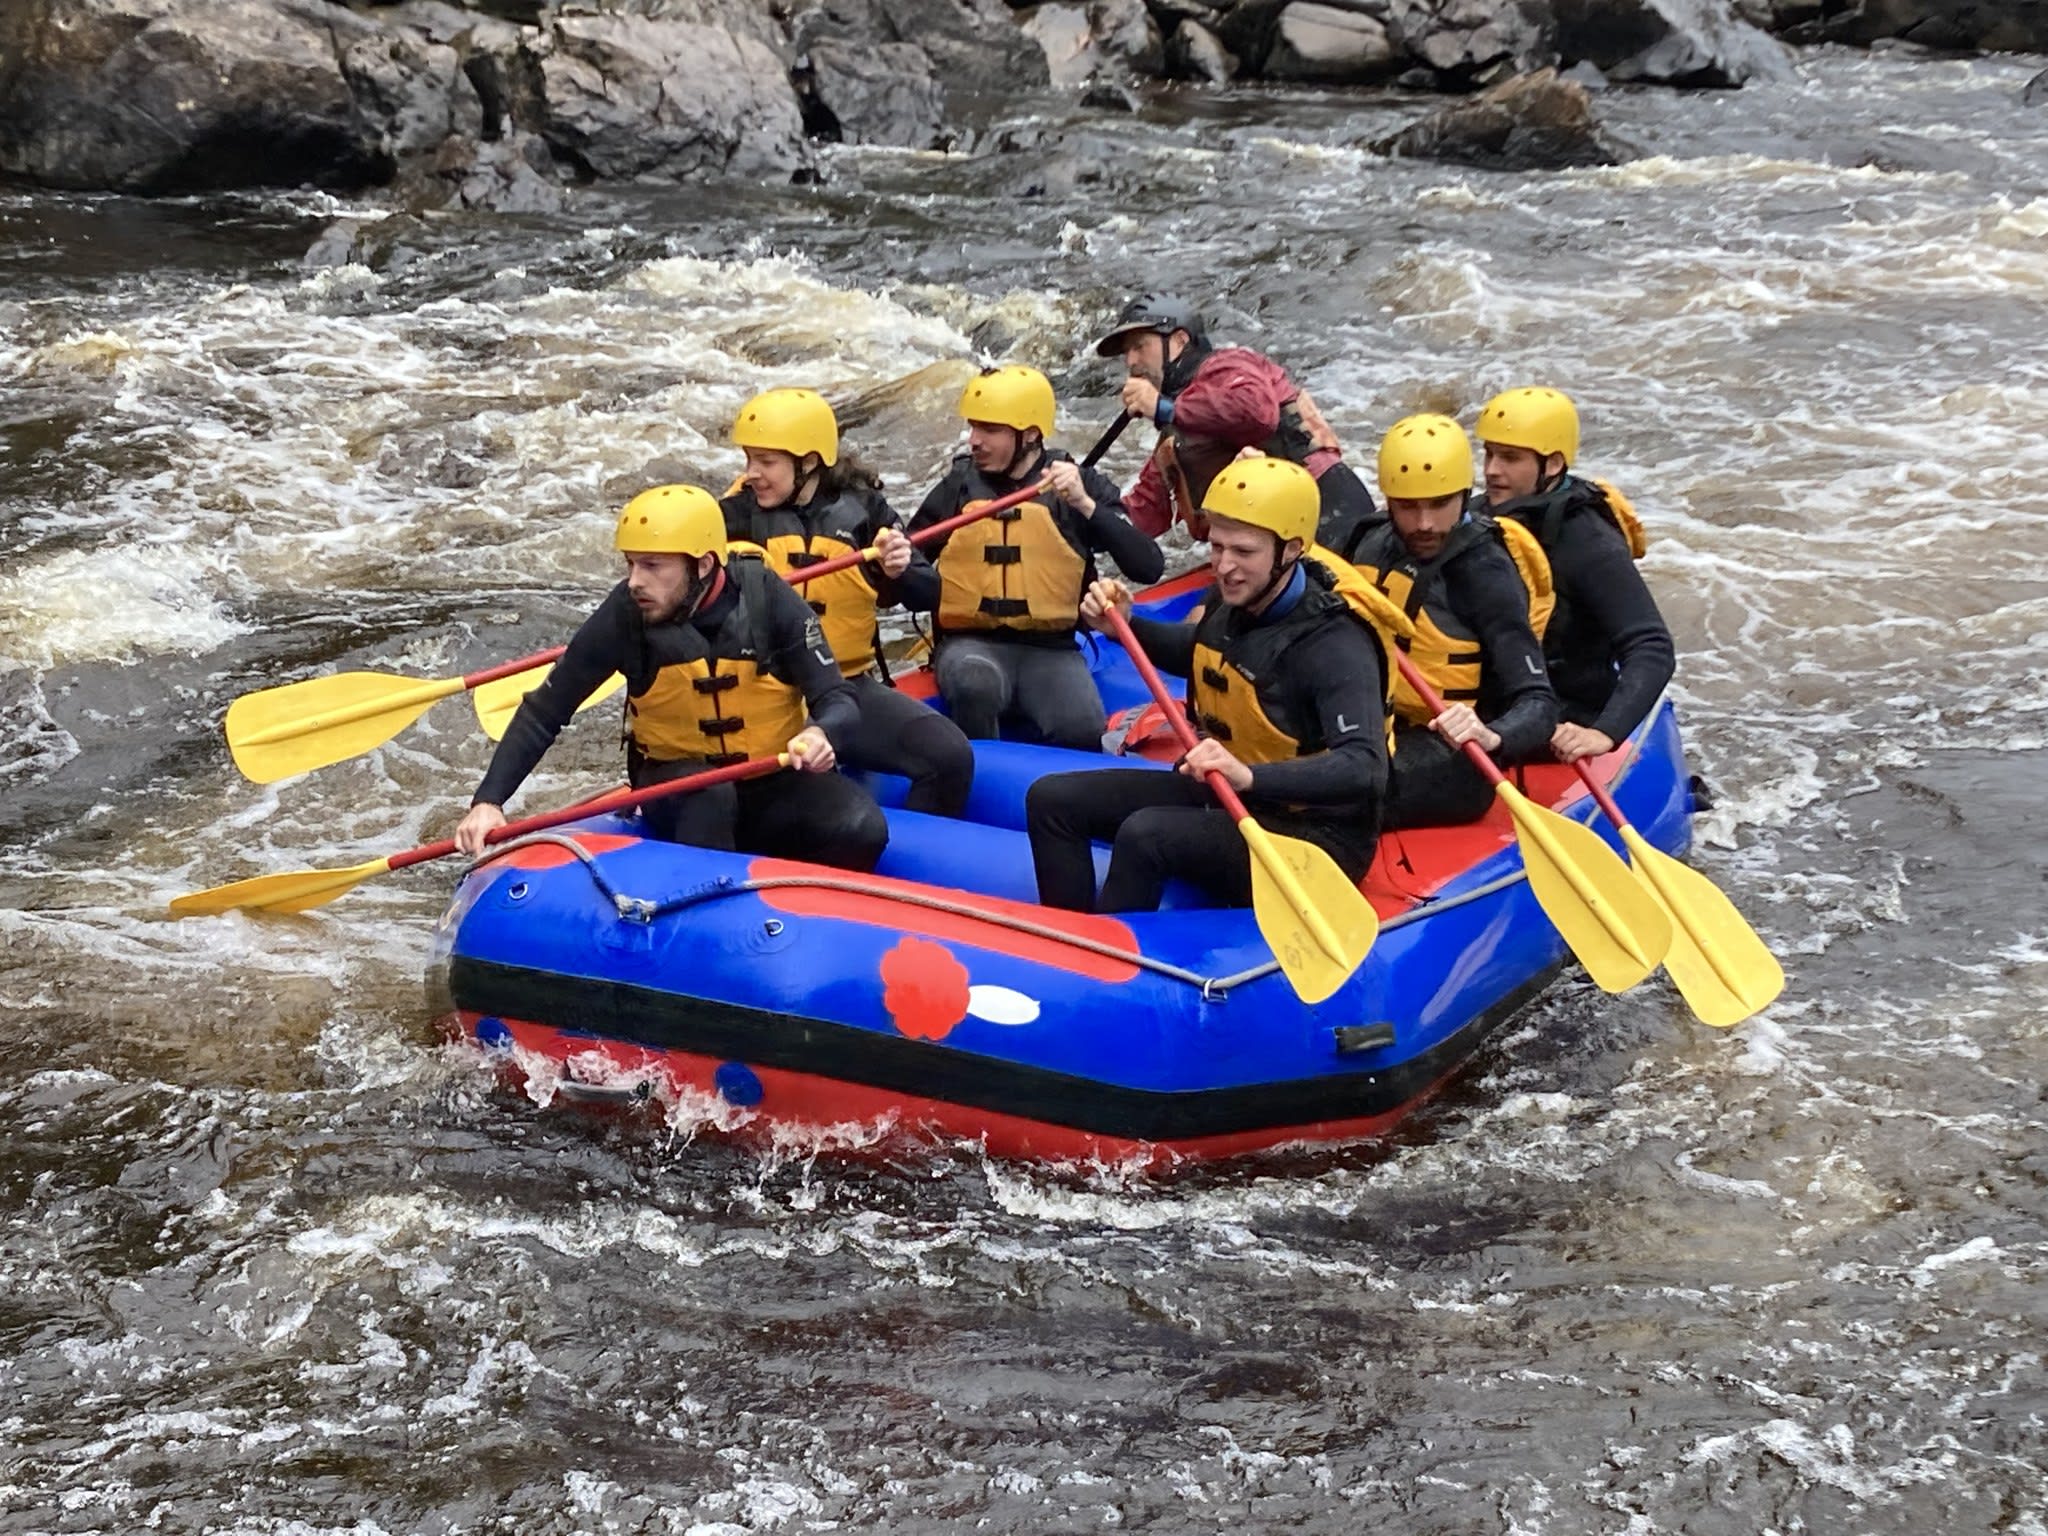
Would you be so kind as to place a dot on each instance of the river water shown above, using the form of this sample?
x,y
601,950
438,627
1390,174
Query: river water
x,y
273,1259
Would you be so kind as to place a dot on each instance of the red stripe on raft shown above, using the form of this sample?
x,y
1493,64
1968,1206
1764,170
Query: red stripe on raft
x,y
826,1104
875,906
549,855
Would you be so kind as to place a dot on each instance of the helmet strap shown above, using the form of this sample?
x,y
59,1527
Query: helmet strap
x,y
704,590
1282,569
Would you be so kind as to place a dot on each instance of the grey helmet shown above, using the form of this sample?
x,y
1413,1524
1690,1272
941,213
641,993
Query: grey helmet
x,y
1161,312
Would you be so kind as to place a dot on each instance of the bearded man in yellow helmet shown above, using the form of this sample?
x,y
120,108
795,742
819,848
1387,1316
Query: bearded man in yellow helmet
x,y
1477,598
803,503
1011,584
1607,647
721,659
1287,682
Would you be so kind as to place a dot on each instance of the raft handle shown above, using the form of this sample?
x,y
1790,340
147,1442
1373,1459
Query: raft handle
x,y
1357,1039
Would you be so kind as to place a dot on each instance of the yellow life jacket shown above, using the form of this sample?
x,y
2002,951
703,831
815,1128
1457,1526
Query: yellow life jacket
x,y
1234,692
793,538
1016,569
1443,647
715,699
1625,519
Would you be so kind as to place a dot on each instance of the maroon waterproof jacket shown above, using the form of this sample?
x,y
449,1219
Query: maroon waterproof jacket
x,y
1232,403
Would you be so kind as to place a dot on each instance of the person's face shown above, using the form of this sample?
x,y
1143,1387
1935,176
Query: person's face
x,y
1241,559
1145,357
771,475
1424,524
658,583
993,447
1512,472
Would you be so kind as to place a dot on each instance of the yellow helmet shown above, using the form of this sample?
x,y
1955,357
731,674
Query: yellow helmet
x,y
672,520
1539,419
1277,495
1011,396
1424,457
792,421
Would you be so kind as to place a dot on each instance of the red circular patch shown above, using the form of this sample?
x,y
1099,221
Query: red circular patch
x,y
924,988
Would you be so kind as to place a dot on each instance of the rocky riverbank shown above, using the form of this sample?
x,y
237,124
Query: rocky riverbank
x,y
502,103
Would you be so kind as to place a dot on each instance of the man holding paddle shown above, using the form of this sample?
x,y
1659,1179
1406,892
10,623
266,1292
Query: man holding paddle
x,y
1288,682
1211,404
1011,583
721,659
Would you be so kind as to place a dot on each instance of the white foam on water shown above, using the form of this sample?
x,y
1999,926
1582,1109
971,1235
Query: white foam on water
x,y
116,604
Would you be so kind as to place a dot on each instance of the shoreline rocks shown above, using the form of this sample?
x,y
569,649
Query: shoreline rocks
x,y
502,103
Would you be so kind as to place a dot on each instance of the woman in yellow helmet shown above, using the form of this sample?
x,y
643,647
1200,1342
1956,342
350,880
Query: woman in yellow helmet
x,y
803,502
1011,584
1452,572
1287,681
721,660
1608,648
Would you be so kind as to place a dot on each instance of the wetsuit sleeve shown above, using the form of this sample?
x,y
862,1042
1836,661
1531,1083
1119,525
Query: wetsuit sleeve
x,y
1487,591
1338,672
940,502
597,650
1148,506
1169,646
1136,554
918,587
804,660
1608,596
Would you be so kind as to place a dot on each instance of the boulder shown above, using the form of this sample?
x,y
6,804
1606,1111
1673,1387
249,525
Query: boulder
x,y
1196,53
622,96
2002,26
1668,42
1314,41
2036,92
190,95
1125,30
1531,122
1063,33
1081,41
974,45
875,93
1468,42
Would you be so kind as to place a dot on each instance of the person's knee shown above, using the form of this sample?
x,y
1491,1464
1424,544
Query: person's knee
x,y
943,759
1054,801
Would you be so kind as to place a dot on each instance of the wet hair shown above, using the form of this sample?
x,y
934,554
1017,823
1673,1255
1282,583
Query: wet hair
x,y
851,473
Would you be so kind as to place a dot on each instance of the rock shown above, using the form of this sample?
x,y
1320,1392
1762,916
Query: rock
x,y
1196,53
1587,75
1062,31
2036,92
184,95
1314,41
880,93
1668,42
2001,26
1125,30
1530,122
1469,41
622,96
974,45
1108,96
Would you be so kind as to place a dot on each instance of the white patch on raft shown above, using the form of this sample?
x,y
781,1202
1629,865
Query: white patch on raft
x,y
1002,1005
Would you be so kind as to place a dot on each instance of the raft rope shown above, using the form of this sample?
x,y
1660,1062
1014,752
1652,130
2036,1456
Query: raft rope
x,y
639,909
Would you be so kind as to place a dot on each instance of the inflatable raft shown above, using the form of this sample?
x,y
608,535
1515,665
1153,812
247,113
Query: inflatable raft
x,y
936,999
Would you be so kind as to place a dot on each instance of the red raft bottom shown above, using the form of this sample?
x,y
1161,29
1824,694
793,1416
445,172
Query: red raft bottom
x,y
832,1115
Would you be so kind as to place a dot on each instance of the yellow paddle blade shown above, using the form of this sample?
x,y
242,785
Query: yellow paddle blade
x,y
1317,923
277,732
497,703
1617,930
1718,963
297,891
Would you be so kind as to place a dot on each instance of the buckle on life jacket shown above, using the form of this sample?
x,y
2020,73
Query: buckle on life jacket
x,y
1008,514
726,759
1213,727
818,609
1002,554
716,683
800,558
1005,607
1211,678
731,725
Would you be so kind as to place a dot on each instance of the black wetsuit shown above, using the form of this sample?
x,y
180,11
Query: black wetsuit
x,y
822,817
1323,680
1609,651
1036,679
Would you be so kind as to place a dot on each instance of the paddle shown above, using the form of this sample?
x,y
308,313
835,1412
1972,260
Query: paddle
x,y
1719,965
1317,923
302,889
1107,441
1617,932
276,732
